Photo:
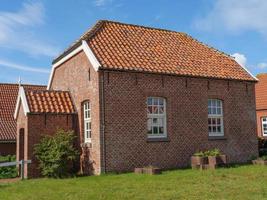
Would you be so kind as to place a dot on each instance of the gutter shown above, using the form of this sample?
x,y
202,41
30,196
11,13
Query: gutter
x,y
103,120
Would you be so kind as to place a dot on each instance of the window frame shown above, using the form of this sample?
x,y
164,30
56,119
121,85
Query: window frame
x,y
262,124
87,120
158,116
216,117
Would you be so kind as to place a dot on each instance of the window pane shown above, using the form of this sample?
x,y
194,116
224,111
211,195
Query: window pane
x,y
155,130
213,121
209,111
213,102
161,110
209,102
218,129
149,101
218,121
214,110
209,121
161,130
156,101
149,109
155,110
210,129
161,101
214,129
219,111
155,120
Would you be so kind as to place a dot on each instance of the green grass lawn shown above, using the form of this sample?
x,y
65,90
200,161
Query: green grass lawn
x,y
243,182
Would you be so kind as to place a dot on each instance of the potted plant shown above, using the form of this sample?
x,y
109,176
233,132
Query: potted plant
x,y
151,170
216,158
198,159
138,170
260,161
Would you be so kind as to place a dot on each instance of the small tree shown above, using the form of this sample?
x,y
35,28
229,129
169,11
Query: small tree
x,y
55,153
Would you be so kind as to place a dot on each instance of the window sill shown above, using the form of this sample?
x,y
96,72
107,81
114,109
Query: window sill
x,y
217,138
163,139
86,144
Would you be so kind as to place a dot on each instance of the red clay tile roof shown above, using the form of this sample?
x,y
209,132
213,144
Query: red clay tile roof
x,y
261,92
8,98
49,101
119,46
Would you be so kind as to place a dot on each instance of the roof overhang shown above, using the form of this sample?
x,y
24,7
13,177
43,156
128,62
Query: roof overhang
x,y
83,47
21,98
249,73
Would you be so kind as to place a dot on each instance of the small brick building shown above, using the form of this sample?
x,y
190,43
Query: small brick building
x,y
261,105
8,97
146,96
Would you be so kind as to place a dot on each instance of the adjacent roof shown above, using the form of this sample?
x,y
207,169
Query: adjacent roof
x,y
46,101
8,97
261,92
119,46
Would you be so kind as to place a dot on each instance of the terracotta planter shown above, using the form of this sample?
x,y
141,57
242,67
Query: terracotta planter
x,y
138,170
197,161
151,170
217,160
259,162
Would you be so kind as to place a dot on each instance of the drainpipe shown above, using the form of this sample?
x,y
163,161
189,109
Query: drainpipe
x,y
103,121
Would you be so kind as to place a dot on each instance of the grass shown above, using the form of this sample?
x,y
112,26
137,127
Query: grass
x,y
243,182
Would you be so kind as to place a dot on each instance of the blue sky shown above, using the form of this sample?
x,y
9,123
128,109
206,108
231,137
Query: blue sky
x,y
32,33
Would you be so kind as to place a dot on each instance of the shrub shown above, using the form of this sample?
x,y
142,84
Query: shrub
x,y
262,145
56,153
212,152
8,172
199,154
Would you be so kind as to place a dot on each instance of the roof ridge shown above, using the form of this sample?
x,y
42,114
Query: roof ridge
x,y
21,84
85,36
32,90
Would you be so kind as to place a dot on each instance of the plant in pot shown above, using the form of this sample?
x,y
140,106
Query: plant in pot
x,y
151,170
260,161
198,159
215,158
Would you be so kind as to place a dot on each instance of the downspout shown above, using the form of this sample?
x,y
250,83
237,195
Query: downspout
x,y
103,120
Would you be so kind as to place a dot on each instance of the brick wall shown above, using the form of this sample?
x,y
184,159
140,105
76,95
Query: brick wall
x,y
39,125
187,98
7,149
260,114
78,76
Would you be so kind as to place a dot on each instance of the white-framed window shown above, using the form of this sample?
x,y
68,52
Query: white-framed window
x,y
264,126
87,121
156,117
215,117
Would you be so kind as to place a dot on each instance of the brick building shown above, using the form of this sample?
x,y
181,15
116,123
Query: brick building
x,y
8,97
145,96
261,105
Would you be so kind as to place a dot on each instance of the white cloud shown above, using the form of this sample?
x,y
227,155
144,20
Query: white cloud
x,y
102,3
234,15
240,59
17,30
262,65
4,63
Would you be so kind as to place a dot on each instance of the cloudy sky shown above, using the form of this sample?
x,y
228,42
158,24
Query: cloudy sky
x,y
32,33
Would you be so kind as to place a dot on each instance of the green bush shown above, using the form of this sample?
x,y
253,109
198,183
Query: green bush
x,y
8,172
56,154
212,152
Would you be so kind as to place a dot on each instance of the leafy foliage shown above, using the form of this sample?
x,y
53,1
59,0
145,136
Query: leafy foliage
x,y
212,152
56,153
8,172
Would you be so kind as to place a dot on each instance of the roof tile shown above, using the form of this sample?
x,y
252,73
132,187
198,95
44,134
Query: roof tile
x,y
49,101
119,46
8,98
